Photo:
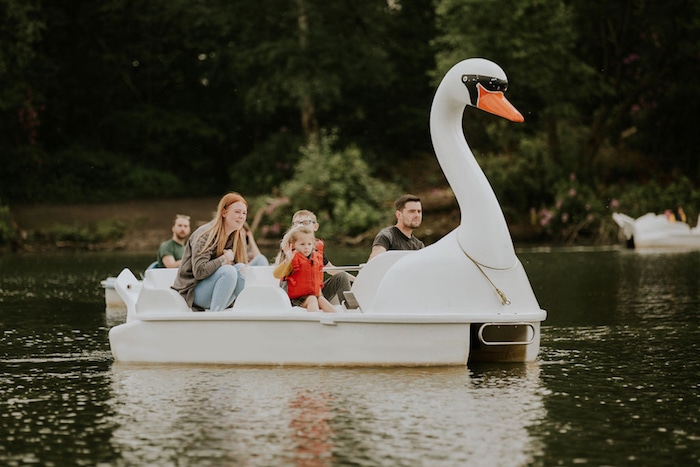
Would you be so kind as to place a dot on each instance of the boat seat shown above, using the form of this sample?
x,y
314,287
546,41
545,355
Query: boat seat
x,y
364,288
261,275
262,292
263,298
156,294
157,300
161,278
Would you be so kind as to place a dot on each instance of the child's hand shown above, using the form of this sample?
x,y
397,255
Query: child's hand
x,y
288,251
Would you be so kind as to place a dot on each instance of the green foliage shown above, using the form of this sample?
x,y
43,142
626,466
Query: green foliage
x,y
521,179
577,216
78,174
270,164
338,187
644,53
174,96
178,142
8,230
638,199
581,214
21,31
78,235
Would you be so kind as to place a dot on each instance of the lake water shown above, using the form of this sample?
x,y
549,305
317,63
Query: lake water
x,y
617,381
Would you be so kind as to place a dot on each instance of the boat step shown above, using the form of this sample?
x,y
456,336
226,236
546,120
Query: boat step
x,y
506,333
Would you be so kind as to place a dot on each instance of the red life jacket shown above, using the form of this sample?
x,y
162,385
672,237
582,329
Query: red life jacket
x,y
307,275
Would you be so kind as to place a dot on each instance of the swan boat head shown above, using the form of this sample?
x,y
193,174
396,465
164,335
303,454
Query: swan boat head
x,y
475,266
480,83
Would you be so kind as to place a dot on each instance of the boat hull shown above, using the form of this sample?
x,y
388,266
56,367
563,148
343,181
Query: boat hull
x,y
291,342
308,339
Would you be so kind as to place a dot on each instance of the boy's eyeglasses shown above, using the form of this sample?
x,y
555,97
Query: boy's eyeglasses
x,y
307,222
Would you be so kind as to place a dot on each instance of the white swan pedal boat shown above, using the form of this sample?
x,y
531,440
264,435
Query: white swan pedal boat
x,y
657,231
465,298
263,328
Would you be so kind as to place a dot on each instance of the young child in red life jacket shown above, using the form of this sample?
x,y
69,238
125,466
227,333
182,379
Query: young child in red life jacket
x,y
302,268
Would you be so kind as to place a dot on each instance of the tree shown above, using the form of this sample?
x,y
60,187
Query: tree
x,y
334,65
21,101
534,42
645,54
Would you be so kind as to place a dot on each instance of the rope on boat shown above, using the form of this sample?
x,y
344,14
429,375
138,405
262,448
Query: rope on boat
x,y
478,265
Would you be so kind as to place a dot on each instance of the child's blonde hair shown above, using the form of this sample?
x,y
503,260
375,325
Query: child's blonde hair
x,y
304,213
284,267
294,233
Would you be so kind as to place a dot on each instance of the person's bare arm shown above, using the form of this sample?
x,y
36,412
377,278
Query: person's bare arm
x,y
376,250
169,261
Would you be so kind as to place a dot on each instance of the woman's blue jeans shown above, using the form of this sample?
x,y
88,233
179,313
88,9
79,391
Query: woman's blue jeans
x,y
219,290
259,260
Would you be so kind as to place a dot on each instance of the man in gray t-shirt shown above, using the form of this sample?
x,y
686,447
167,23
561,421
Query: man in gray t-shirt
x,y
409,214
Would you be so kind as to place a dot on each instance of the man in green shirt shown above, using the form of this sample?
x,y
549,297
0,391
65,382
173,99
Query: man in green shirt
x,y
170,251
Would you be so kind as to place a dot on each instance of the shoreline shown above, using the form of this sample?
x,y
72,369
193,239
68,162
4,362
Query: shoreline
x,y
149,221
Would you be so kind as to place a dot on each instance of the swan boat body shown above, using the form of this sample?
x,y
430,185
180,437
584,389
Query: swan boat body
x,y
656,231
462,299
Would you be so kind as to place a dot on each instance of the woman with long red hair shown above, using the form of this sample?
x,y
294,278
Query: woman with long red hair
x,y
210,276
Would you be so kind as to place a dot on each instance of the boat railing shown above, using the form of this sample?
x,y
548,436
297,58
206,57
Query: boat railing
x,y
344,268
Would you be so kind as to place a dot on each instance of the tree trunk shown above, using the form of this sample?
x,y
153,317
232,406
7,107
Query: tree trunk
x,y
309,123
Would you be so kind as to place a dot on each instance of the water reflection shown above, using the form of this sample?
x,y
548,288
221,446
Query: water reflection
x,y
617,381
319,417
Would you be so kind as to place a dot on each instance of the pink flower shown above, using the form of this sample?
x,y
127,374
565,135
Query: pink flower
x,y
545,217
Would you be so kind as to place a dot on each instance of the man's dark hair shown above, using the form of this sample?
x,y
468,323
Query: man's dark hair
x,y
403,199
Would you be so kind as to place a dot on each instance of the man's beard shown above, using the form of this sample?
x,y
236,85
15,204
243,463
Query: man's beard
x,y
412,225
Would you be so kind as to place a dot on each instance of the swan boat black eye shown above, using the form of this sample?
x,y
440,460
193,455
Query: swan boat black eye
x,y
487,82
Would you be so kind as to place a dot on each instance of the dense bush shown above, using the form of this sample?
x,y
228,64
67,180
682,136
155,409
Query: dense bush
x,y
578,214
80,174
582,214
269,165
636,200
338,187
78,235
